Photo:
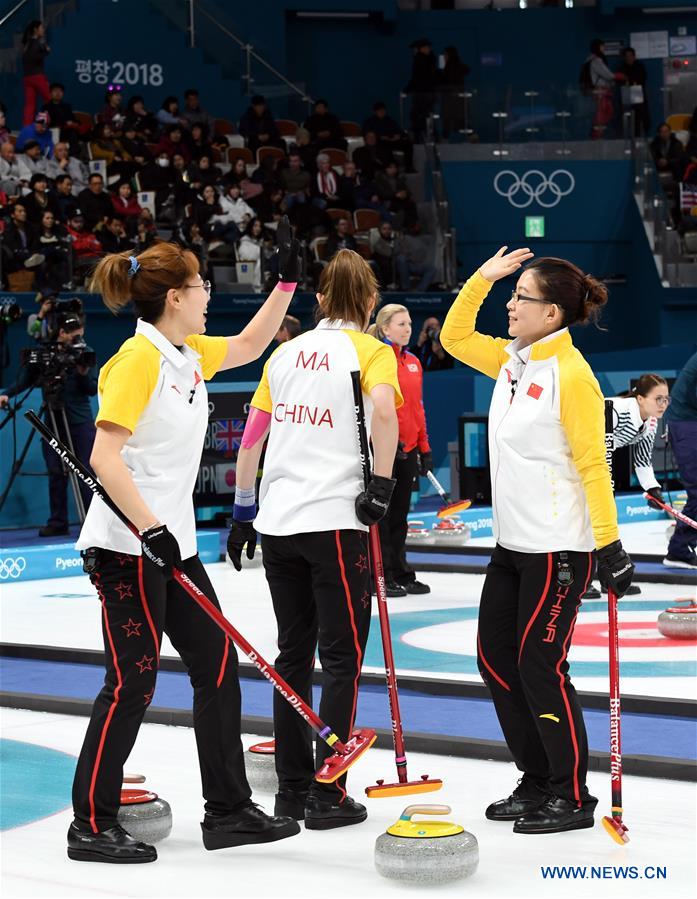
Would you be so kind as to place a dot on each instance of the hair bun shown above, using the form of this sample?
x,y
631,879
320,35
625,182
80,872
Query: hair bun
x,y
596,294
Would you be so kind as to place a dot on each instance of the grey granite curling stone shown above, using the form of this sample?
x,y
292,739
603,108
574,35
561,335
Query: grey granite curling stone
x,y
260,762
679,622
145,816
426,852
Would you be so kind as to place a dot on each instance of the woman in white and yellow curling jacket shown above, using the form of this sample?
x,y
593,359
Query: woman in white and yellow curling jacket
x,y
552,506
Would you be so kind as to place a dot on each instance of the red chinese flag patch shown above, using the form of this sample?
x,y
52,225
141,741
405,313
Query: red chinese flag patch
x,y
535,391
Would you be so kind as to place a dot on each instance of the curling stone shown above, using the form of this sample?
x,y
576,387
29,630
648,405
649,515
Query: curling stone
x,y
679,622
144,815
426,852
260,762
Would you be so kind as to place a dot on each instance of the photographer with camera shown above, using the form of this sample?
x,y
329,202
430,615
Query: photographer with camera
x,y
428,348
65,370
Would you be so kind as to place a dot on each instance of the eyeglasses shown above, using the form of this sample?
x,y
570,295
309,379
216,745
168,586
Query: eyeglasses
x,y
521,298
662,400
206,285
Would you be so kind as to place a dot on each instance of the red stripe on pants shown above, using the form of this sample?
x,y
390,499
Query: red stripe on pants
x,y
223,664
488,666
146,608
112,708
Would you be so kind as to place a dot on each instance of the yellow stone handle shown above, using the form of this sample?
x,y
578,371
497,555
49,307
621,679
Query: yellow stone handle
x,y
412,810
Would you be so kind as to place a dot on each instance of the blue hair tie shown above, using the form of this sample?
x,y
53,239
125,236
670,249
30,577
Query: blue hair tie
x,y
135,265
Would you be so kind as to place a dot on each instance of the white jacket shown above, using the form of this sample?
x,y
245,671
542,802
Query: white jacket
x,y
550,483
233,211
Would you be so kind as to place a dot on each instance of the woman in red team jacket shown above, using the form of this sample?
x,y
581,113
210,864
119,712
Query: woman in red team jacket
x,y
393,326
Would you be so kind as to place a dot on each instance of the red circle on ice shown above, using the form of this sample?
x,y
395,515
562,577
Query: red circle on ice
x,y
596,635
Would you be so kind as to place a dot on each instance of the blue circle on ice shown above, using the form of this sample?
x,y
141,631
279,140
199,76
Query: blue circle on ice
x,y
36,782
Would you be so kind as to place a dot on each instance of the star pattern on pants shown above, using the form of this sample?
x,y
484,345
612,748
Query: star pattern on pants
x,y
362,563
365,599
145,663
123,559
132,628
148,697
124,590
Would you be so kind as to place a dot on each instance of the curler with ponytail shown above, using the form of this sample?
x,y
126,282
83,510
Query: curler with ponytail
x,y
144,282
644,385
349,289
580,297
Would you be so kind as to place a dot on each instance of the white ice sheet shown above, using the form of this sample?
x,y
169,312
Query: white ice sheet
x,y
660,814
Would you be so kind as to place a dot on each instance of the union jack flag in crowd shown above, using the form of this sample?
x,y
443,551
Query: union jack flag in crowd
x,y
228,435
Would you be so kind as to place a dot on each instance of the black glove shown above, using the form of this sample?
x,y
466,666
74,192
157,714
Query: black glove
x,y
615,568
400,455
290,264
655,492
161,548
425,463
241,532
372,504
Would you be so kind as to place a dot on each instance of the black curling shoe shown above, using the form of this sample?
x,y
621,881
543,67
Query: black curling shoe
x,y
291,803
247,825
416,587
526,797
114,845
557,815
321,815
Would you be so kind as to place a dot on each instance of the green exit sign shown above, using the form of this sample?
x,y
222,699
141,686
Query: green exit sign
x,y
534,226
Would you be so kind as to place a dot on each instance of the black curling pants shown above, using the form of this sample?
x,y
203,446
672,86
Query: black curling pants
x,y
138,604
394,526
320,589
526,620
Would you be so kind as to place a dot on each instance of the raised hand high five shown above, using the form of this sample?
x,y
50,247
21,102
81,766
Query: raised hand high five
x,y
503,264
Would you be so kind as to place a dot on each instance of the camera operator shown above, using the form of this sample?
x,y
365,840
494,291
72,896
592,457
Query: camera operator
x,y
65,369
428,347
39,323
44,324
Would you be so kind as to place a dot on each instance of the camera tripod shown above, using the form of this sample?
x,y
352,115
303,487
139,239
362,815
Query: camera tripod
x,y
53,405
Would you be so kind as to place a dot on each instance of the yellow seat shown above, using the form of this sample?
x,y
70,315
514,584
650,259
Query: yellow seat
x,y
679,121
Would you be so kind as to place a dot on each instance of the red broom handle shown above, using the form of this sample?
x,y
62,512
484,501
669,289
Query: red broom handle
x,y
614,660
390,676
275,679
615,712
380,589
671,511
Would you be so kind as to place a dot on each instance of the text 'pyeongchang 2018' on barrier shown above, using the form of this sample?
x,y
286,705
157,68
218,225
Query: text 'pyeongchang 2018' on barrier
x,y
603,872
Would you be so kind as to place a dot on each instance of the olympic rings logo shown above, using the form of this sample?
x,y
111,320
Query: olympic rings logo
x,y
534,186
12,568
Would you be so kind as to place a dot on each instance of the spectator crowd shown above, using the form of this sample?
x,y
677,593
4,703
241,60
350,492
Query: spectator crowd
x,y
74,186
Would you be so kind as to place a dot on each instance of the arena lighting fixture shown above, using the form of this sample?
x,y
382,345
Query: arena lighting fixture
x,y
569,4
523,4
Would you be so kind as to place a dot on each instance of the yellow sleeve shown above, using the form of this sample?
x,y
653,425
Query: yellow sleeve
x,y
582,410
212,351
262,395
378,364
126,383
458,337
